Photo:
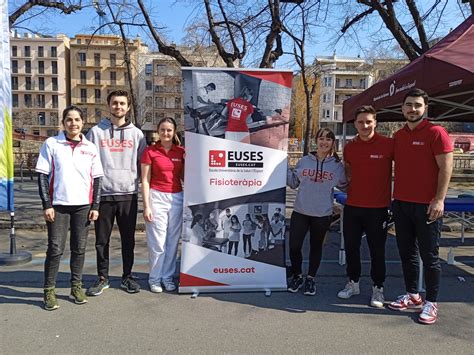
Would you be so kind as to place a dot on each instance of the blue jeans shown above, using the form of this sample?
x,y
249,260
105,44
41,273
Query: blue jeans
x,y
76,219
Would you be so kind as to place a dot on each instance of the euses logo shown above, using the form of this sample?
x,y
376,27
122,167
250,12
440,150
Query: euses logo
x,y
217,158
235,159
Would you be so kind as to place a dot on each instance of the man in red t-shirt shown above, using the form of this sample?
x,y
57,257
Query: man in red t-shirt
x,y
238,110
423,165
368,162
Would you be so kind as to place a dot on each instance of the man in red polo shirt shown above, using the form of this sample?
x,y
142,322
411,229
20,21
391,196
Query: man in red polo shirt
x,y
368,162
423,167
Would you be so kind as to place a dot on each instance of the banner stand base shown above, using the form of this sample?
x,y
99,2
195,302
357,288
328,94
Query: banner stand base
x,y
195,294
18,258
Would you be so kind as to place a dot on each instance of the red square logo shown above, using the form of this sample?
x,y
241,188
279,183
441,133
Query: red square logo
x,y
217,158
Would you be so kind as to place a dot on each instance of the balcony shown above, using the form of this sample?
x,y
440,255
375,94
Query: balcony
x,y
353,87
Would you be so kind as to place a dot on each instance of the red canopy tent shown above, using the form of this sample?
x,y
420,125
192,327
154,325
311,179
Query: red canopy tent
x,y
445,72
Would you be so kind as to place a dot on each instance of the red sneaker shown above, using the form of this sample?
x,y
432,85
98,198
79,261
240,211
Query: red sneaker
x,y
429,314
406,302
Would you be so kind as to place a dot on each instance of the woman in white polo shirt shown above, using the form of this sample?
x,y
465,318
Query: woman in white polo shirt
x,y
69,176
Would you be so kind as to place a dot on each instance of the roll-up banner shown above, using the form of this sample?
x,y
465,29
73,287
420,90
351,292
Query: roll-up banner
x,y
236,138
6,152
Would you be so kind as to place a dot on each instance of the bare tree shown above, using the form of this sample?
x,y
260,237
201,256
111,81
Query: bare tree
x,y
412,44
297,27
66,7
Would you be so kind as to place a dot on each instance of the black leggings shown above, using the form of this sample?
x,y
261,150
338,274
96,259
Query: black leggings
x,y
247,240
299,226
236,245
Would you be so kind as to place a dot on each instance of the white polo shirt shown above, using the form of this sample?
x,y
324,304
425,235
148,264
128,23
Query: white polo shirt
x,y
71,170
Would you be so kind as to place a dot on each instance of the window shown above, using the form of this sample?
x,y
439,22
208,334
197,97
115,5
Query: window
x,y
27,51
41,118
158,117
15,100
28,85
97,77
81,58
14,83
362,83
328,81
97,59
54,83
148,69
326,113
54,67
326,98
113,59
336,115
36,132
54,52
83,95
83,76
28,100
177,117
177,102
97,114
84,113
41,83
97,96
28,66
14,51
55,101
148,101
53,118
159,102
41,67
125,77
349,83
113,78
148,85
148,117
41,51
41,101
14,66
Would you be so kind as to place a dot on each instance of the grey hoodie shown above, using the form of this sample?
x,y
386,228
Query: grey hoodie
x,y
316,180
120,150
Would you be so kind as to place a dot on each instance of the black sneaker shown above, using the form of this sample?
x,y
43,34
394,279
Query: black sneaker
x,y
100,285
130,285
309,286
295,283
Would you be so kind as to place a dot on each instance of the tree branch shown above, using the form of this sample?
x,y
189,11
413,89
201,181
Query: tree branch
x,y
44,3
419,24
162,47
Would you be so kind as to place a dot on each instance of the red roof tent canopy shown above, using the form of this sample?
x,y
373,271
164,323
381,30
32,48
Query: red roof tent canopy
x,y
445,72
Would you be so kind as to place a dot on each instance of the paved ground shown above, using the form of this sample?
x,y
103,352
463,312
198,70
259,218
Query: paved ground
x,y
117,322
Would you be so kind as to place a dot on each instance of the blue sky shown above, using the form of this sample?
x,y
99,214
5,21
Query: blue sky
x,y
175,15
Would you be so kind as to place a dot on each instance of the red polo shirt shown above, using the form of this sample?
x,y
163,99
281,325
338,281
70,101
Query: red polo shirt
x,y
371,171
166,167
238,110
416,170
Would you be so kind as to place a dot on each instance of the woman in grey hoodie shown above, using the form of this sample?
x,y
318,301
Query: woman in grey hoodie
x,y
315,175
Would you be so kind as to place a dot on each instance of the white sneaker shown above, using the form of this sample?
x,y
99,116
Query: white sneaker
x,y
169,286
351,289
377,299
156,288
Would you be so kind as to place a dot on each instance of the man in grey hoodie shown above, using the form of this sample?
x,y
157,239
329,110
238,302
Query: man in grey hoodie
x,y
120,146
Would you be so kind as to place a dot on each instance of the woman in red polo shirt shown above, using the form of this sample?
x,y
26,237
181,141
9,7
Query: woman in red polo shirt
x,y
162,172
